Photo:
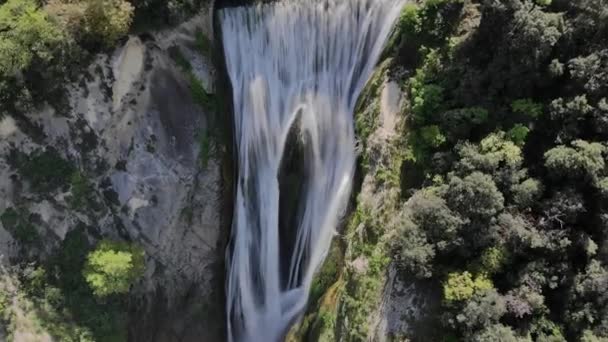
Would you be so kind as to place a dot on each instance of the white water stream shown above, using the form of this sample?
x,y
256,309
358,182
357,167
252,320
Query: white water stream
x,y
303,63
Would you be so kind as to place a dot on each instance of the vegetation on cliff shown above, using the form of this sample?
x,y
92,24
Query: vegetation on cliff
x,y
506,131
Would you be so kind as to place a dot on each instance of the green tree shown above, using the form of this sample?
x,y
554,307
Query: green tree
x,y
27,35
113,267
497,333
459,123
413,252
493,152
581,159
526,193
108,20
432,215
462,286
475,196
484,308
589,299
527,107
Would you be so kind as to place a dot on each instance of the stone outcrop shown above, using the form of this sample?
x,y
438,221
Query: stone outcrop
x,y
133,130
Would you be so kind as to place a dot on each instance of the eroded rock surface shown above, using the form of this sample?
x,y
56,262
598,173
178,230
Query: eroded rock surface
x,y
133,130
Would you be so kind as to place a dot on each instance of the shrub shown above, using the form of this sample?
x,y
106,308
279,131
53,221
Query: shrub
x,y
46,171
113,267
19,224
462,286
26,35
108,20
527,107
581,159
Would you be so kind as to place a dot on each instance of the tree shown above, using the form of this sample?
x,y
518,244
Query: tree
x,y
113,267
462,286
435,219
475,196
588,304
27,34
493,152
591,72
526,193
527,107
414,253
495,155
497,333
493,259
518,134
458,123
108,20
580,160
589,336
571,116
484,308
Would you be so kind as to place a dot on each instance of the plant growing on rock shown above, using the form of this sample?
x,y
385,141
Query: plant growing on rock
x,y
113,267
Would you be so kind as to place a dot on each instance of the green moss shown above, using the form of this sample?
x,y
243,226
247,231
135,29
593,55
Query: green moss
x,y
363,287
328,274
178,57
199,94
203,44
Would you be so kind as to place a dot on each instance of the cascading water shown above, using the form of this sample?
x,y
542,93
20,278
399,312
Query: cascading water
x,y
292,63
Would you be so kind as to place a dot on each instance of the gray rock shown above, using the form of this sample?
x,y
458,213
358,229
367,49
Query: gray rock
x,y
133,130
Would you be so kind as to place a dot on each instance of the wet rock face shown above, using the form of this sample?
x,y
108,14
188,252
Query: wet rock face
x,y
133,131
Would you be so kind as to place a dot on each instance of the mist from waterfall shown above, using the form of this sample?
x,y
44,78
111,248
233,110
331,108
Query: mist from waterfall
x,y
295,66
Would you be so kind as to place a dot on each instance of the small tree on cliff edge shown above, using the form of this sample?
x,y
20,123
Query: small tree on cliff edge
x,y
113,267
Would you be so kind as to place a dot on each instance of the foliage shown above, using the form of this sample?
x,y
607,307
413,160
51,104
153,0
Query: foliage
x,y
526,193
493,259
64,304
518,134
18,222
113,267
46,171
108,20
44,44
527,107
484,308
582,159
496,333
462,286
508,124
203,44
27,34
82,191
199,94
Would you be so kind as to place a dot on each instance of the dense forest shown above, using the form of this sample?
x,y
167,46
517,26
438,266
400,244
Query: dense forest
x,y
504,177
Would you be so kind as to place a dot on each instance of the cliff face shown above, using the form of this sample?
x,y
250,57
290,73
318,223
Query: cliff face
x,y
132,158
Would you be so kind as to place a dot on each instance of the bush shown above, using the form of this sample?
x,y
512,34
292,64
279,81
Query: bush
x,y
19,224
108,20
27,35
462,286
527,107
45,170
582,159
113,267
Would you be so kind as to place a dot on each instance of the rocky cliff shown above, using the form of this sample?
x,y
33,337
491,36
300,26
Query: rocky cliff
x,y
134,156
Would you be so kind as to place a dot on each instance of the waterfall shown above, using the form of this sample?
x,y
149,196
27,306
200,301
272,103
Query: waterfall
x,y
294,65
